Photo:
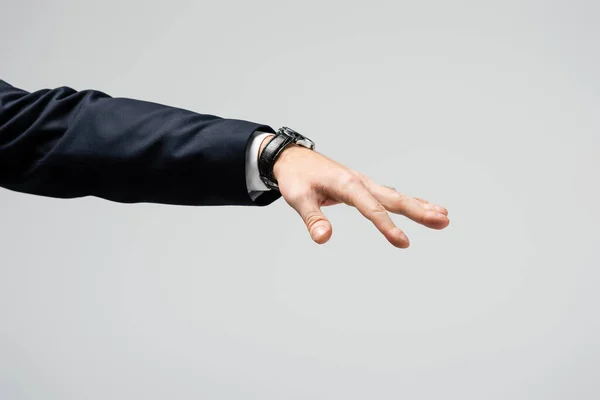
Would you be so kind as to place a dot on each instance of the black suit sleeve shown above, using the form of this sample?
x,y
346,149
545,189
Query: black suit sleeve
x,y
66,143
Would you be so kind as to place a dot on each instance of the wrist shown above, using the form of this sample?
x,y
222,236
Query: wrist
x,y
288,148
282,155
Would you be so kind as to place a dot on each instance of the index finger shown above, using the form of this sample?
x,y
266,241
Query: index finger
x,y
354,193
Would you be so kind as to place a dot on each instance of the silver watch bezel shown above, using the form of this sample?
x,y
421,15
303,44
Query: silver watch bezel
x,y
297,138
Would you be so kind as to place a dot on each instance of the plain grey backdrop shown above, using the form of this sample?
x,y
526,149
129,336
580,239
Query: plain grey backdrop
x,y
490,108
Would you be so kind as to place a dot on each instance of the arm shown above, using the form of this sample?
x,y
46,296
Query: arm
x,y
66,143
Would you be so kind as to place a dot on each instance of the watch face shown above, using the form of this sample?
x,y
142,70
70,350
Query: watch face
x,y
298,138
290,132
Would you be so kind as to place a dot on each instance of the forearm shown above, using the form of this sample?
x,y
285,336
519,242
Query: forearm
x,y
65,143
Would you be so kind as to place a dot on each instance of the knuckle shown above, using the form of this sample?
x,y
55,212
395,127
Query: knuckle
x,y
399,198
312,217
357,174
378,209
349,179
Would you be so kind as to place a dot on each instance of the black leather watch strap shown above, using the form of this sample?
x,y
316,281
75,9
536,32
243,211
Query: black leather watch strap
x,y
269,155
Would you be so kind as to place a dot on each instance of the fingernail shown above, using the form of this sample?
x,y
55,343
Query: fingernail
x,y
440,215
402,235
440,209
320,231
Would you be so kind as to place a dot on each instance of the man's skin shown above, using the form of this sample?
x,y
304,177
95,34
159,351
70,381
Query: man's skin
x,y
308,181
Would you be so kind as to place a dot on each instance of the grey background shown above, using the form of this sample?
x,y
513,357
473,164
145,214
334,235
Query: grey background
x,y
489,108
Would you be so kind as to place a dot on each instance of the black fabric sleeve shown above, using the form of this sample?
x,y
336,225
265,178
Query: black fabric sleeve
x,y
65,143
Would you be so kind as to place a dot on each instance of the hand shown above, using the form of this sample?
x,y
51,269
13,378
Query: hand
x,y
308,181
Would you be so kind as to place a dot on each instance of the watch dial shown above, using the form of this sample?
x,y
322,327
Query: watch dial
x,y
292,133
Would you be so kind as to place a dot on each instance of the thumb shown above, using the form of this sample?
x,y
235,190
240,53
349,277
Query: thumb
x,y
317,224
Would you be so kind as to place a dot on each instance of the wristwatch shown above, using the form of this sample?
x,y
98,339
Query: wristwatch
x,y
283,138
